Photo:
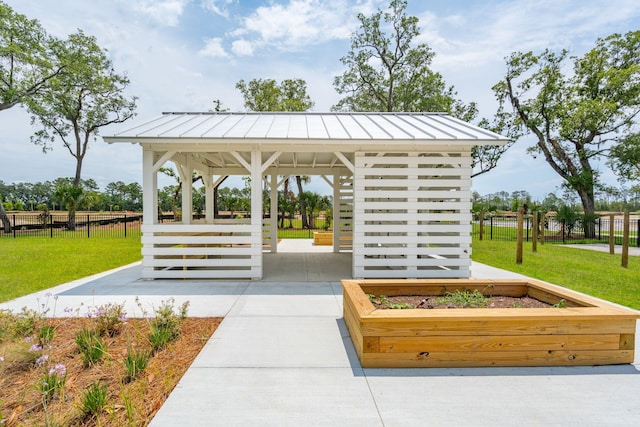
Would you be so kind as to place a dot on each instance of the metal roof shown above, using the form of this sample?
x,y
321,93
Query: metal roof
x,y
321,128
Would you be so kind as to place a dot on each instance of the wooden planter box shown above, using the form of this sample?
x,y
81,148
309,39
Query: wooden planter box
x,y
588,331
322,239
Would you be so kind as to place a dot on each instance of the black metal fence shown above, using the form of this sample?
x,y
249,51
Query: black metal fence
x,y
504,227
86,225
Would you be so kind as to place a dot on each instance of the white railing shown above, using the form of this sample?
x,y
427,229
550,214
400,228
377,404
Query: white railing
x,y
189,251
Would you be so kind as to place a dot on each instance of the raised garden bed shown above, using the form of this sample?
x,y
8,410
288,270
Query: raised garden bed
x,y
581,331
322,238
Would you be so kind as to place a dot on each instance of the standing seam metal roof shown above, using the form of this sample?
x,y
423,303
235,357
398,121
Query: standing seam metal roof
x,y
309,126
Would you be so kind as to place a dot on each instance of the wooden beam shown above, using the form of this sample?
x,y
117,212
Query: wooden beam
x,y
344,160
241,160
162,160
269,161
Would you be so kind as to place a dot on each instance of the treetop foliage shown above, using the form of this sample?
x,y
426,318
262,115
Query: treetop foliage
x,y
269,95
576,114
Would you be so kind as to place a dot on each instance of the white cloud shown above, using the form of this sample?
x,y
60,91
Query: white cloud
x,y
301,23
219,7
242,48
165,12
213,47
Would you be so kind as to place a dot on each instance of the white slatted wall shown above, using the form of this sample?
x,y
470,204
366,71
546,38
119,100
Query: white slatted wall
x,y
412,215
201,251
343,224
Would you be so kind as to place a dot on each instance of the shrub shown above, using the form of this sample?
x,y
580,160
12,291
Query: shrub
x,y
165,326
91,346
135,362
109,319
94,399
52,382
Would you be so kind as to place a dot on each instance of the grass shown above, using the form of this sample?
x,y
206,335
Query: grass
x,y
595,273
35,264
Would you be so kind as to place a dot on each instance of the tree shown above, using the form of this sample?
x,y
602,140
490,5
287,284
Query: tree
x,y
575,116
624,158
76,103
288,95
387,71
26,60
71,197
268,95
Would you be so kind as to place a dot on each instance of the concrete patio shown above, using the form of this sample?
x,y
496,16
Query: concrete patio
x,y
263,367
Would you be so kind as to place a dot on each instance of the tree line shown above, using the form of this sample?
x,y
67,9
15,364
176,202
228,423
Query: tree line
x,y
607,199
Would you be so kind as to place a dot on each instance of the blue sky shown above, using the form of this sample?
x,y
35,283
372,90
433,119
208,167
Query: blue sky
x,y
180,55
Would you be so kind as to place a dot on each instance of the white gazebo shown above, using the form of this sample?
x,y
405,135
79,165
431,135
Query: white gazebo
x,y
401,189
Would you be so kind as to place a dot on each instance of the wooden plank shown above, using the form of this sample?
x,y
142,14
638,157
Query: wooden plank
x,y
371,345
541,326
200,262
627,341
498,343
496,358
416,288
357,300
554,298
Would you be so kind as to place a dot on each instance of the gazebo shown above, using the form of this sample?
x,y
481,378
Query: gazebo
x,y
401,189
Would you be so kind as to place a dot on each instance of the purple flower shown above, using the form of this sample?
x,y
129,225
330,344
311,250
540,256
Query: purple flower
x,y
59,369
48,294
1,359
68,309
42,359
35,347
28,339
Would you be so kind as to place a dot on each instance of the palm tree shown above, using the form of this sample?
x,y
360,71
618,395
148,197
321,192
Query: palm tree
x,y
72,197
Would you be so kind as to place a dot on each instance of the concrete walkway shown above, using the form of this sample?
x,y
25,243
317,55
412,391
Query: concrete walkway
x,y
283,357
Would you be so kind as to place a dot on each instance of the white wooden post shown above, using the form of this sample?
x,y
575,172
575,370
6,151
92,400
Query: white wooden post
x,y
256,207
273,184
336,211
149,189
187,195
208,197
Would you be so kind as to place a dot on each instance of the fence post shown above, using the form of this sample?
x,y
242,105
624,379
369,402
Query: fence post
x,y
491,228
534,232
625,240
638,234
612,236
563,230
51,225
520,236
527,229
14,226
88,227
125,225
542,227
599,228
481,225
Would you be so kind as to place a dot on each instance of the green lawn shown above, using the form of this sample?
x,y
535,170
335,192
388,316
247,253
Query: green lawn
x,y
32,264
594,273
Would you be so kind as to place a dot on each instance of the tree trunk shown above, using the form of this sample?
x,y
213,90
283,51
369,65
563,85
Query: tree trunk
x,y
71,222
588,204
303,204
6,223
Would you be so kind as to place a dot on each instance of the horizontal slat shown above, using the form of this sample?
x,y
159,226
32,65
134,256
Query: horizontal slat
x,y
502,326
198,240
202,262
200,228
175,251
375,196
497,358
414,251
361,273
203,274
411,261
499,343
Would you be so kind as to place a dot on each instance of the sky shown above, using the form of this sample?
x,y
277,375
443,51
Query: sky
x,y
180,55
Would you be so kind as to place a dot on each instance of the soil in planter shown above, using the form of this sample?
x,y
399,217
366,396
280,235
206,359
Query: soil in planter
x,y
456,300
